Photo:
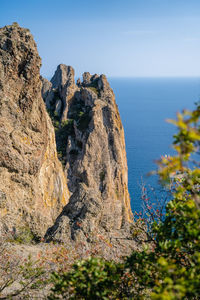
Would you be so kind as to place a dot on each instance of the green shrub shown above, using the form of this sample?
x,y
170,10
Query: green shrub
x,y
24,235
92,279
94,89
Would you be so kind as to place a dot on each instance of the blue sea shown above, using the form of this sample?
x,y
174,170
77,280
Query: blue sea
x,y
144,105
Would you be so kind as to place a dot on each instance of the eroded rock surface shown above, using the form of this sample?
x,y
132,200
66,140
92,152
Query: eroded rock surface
x,y
92,149
33,187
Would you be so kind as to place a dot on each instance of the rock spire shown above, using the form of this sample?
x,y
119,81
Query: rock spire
x,y
94,158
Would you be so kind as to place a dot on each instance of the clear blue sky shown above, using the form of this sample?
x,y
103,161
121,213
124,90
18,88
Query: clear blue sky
x,y
115,37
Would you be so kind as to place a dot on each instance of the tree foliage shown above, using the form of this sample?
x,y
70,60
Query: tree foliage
x,y
89,279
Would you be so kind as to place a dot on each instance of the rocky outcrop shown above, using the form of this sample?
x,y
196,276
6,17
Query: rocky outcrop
x,y
33,187
94,159
86,197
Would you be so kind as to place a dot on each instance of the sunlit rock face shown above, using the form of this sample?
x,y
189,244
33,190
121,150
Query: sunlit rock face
x,y
33,187
94,159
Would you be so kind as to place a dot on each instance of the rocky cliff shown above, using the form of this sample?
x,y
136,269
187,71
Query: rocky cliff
x,y
90,142
33,188
86,197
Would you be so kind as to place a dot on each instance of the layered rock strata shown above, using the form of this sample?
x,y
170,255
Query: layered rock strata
x,y
91,146
33,187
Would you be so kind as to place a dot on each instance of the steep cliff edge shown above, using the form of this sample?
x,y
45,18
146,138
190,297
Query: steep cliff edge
x,y
90,142
33,188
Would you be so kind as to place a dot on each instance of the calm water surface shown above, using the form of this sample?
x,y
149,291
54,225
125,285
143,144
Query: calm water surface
x,y
144,105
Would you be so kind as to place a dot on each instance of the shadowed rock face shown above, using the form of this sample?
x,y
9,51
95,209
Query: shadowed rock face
x,y
94,162
33,188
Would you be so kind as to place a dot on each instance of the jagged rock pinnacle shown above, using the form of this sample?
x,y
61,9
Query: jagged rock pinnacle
x,y
94,161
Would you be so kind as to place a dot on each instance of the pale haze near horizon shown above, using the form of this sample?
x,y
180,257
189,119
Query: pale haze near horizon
x,y
143,38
